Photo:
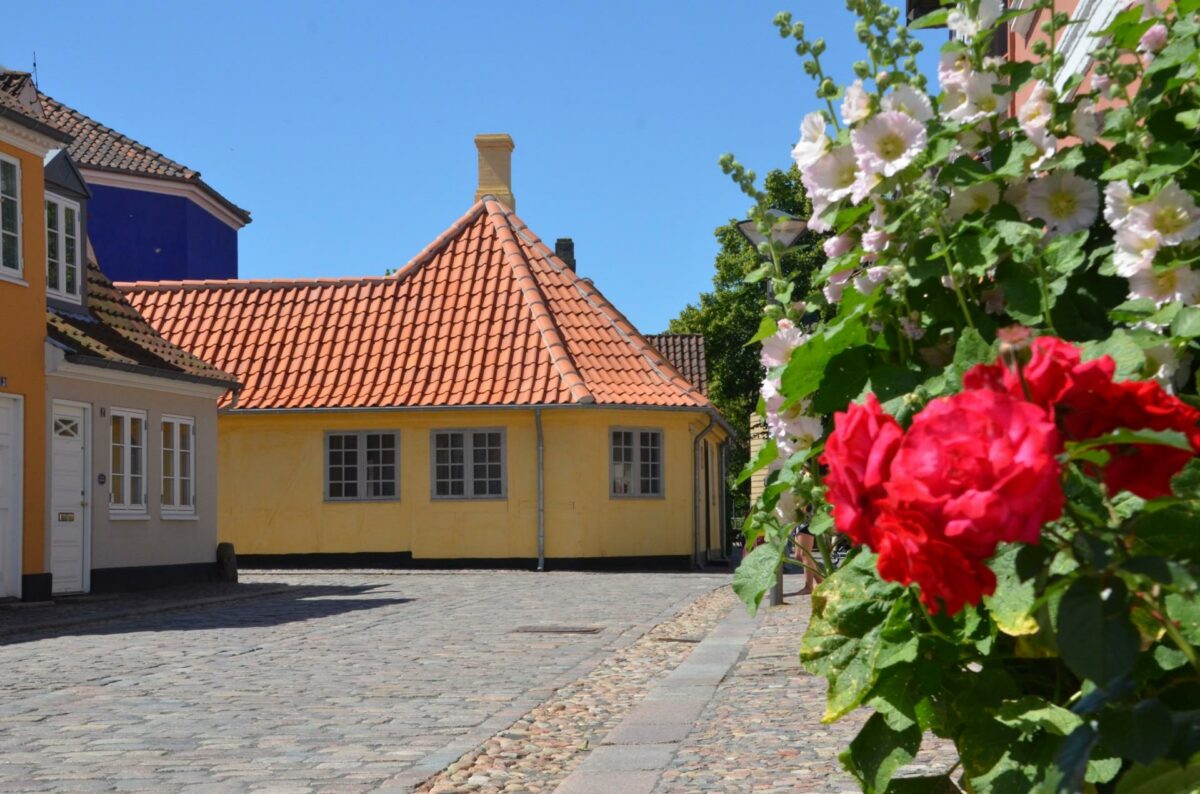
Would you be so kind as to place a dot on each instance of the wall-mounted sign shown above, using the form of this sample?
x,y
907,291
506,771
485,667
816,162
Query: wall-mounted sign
x,y
100,478
66,518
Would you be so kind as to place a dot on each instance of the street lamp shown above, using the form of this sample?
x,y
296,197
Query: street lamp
x,y
785,230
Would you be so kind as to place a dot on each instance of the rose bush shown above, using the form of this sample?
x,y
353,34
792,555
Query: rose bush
x,y
991,395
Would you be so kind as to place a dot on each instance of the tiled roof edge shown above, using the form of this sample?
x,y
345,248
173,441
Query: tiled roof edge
x,y
246,283
663,368
535,301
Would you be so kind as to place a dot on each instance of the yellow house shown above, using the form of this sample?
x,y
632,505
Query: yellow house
x,y
484,405
24,144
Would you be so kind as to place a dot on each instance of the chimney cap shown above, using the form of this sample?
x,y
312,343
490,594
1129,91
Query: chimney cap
x,y
495,167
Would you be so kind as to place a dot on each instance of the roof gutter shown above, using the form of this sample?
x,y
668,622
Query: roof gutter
x,y
153,372
35,125
712,421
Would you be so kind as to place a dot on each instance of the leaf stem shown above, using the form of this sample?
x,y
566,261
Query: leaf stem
x,y
962,302
1044,286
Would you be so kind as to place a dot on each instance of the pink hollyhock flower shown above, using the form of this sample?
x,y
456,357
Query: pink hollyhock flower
x,y
953,68
966,25
1171,214
840,245
1085,121
1118,200
777,348
888,142
831,177
856,104
835,285
869,280
1154,40
1179,284
1134,251
907,99
976,198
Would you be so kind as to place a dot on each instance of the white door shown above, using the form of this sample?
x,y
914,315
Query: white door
x,y
11,465
68,497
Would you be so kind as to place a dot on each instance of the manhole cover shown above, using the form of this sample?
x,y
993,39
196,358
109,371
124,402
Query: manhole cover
x,y
558,629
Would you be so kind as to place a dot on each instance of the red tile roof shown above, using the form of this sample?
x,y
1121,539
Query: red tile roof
x,y
485,315
686,353
111,332
93,145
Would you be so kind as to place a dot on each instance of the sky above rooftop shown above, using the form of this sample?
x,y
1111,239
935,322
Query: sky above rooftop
x,y
347,131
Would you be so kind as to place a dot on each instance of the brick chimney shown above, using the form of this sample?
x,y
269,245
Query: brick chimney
x,y
564,249
495,167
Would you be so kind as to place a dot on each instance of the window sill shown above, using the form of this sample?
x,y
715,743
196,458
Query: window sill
x,y
13,278
115,516
65,297
636,498
179,517
469,498
329,500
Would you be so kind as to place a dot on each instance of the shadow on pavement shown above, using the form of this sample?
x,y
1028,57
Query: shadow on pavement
x,y
156,611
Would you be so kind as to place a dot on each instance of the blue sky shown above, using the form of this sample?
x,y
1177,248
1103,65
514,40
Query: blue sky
x,y
347,129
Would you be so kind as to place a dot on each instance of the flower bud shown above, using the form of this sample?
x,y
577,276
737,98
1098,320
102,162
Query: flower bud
x,y
882,79
773,310
818,46
862,70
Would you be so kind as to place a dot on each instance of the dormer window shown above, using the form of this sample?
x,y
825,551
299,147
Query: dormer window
x,y
62,248
10,217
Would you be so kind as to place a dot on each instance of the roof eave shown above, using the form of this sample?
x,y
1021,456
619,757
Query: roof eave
x,y
154,372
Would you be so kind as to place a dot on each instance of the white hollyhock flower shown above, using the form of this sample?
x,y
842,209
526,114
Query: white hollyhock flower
x,y
1016,193
1066,202
777,348
1134,251
888,142
817,223
1181,284
869,280
1036,112
864,185
832,176
792,428
1118,200
976,198
1171,214
953,68
979,100
966,25
813,140
856,104
907,99
1085,121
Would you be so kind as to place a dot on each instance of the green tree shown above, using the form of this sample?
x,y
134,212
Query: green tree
x,y
731,313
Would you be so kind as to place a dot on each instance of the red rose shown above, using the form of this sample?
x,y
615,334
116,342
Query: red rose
x,y
911,551
982,465
1088,403
858,455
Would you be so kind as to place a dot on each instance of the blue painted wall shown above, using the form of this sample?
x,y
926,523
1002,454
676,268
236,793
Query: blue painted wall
x,y
140,236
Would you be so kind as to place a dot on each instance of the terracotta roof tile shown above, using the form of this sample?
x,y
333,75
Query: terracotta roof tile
x,y
686,353
484,315
111,331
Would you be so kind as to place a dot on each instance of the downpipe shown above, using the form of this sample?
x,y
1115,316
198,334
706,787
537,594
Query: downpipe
x,y
541,491
696,490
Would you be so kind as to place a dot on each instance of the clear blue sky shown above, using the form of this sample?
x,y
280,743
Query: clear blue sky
x,y
347,129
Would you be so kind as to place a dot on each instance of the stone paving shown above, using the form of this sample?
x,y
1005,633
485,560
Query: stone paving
x,y
762,730
344,682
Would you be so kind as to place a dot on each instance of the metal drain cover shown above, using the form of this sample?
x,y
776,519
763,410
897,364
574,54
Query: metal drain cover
x,y
558,629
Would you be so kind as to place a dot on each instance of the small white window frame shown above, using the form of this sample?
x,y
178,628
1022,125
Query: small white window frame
x,y
469,481
128,508
361,465
636,492
60,292
7,273
175,509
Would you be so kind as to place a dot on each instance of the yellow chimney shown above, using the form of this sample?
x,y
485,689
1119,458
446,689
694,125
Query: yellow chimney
x,y
495,167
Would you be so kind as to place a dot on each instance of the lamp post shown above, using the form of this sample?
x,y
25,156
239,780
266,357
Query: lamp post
x,y
785,231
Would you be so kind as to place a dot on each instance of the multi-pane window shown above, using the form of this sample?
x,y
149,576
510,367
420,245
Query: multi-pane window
x,y
127,484
62,248
637,464
178,465
362,465
468,464
10,217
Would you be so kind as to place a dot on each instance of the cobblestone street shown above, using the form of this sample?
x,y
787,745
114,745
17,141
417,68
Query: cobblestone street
x,y
346,682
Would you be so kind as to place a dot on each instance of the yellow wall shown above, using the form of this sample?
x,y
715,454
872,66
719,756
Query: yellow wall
x,y
23,329
271,481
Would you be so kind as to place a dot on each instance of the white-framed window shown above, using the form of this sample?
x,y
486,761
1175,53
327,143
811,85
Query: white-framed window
x,y
127,473
10,217
62,248
178,494
636,458
469,464
362,465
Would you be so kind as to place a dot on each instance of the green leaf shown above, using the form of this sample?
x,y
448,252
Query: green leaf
x,y
759,273
1011,605
1189,118
934,784
1141,734
970,350
1187,322
765,457
756,575
1159,438
892,380
1161,777
1124,351
1022,299
1168,531
966,171
1070,762
1031,714
1186,484
767,327
844,378
878,751
1096,639
934,19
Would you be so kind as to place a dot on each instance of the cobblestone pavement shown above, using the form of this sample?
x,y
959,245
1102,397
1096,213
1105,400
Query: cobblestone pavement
x,y
538,751
344,683
762,731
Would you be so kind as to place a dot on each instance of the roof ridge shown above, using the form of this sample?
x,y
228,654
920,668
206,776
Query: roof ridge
x,y
531,291
249,283
589,293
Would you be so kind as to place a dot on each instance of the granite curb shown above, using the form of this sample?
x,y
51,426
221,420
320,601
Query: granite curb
x,y
634,754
